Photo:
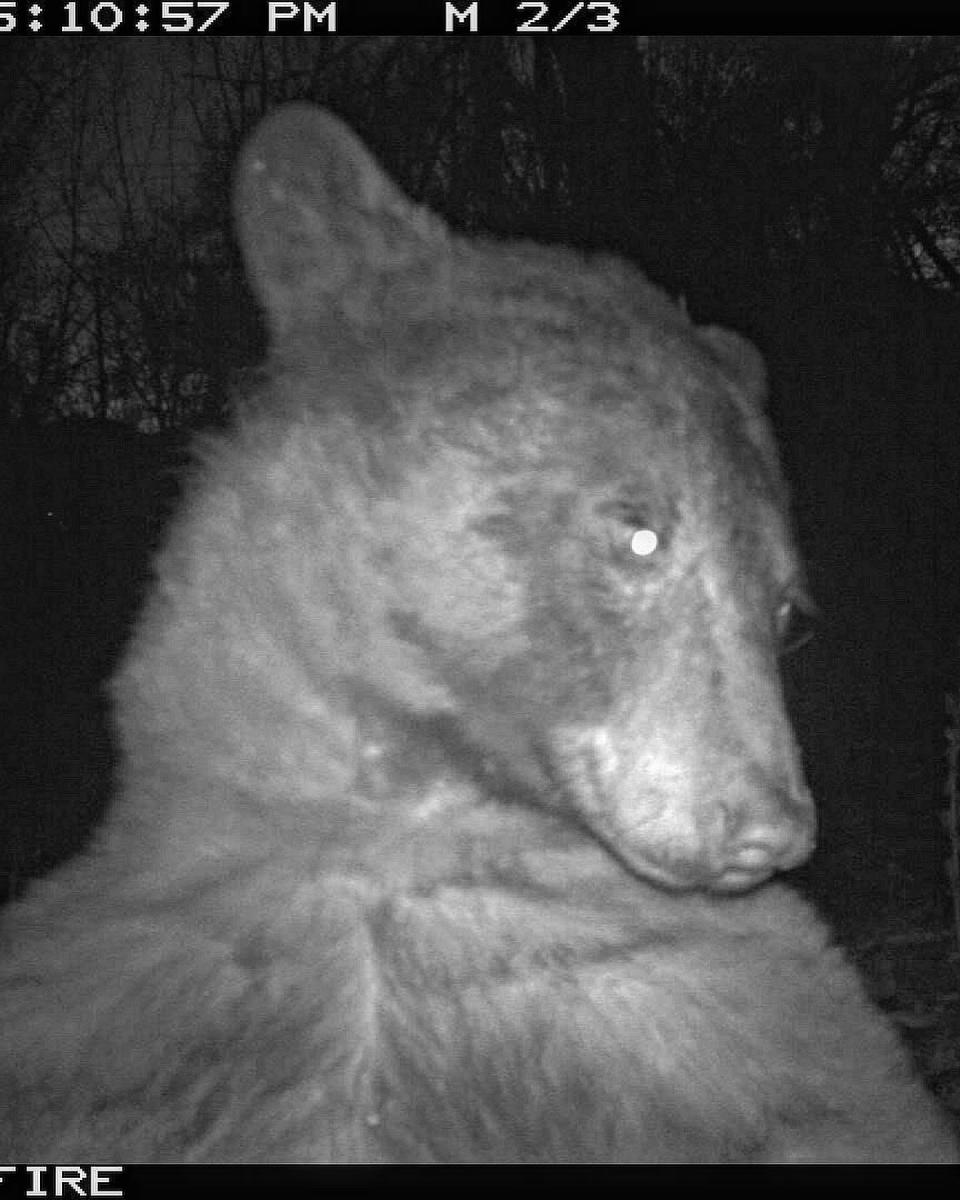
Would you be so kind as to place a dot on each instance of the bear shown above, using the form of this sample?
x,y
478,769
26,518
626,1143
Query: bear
x,y
455,766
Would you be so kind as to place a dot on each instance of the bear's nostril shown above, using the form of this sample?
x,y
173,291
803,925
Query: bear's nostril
x,y
767,850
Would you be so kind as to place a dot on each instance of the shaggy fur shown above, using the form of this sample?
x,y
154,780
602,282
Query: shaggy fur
x,y
455,759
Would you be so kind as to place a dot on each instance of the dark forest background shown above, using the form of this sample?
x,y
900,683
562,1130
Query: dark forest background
x,y
803,190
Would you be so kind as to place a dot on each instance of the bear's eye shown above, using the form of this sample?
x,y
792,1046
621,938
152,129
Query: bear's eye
x,y
794,625
785,614
644,541
643,536
634,531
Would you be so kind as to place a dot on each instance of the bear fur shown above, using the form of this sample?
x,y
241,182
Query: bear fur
x,y
455,760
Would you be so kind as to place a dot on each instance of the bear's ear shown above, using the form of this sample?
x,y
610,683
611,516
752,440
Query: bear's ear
x,y
319,222
740,359
745,371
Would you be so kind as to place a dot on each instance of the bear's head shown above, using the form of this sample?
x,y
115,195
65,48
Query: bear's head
x,y
518,516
